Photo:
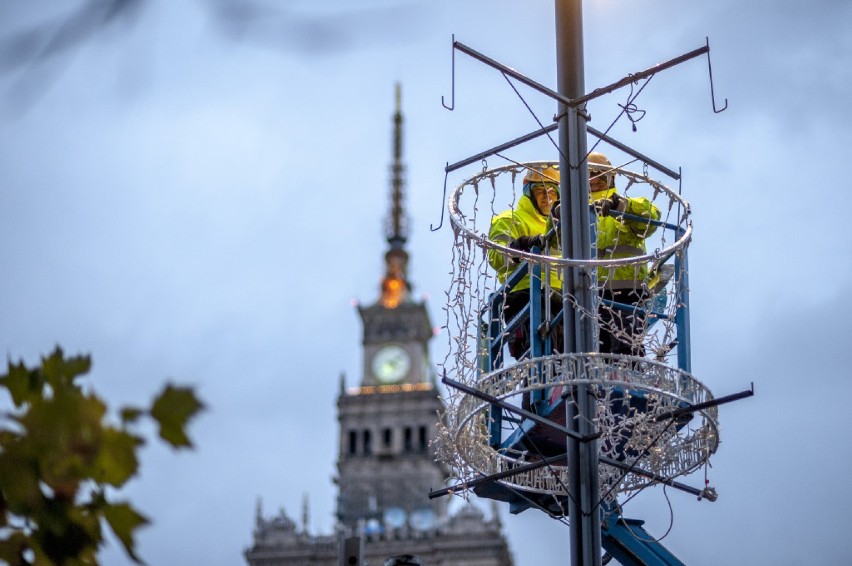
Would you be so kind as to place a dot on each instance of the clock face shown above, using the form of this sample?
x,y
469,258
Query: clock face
x,y
395,517
423,518
391,363
372,526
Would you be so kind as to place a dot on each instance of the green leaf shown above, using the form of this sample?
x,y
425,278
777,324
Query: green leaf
x,y
130,414
116,460
64,532
26,386
124,520
64,435
19,480
61,372
12,549
57,449
172,410
23,384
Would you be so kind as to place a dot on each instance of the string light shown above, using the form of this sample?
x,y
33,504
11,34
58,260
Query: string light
x,y
632,391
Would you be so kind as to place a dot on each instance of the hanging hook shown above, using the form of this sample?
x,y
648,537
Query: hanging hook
x,y
453,80
446,174
710,71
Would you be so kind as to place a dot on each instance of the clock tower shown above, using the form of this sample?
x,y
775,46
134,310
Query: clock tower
x,y
386,467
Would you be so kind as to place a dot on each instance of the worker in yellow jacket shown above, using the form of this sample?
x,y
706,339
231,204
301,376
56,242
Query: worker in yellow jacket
x,y
621,331
522,228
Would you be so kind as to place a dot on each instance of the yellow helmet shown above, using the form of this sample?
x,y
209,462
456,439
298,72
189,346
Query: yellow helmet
x,y
540,174
545,174
596,158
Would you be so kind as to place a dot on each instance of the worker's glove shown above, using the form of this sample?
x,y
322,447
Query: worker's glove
x,y
555,215
526,243
606,205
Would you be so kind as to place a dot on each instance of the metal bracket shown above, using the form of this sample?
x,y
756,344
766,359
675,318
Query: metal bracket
x,y
453,80
443,200
517,410
710,72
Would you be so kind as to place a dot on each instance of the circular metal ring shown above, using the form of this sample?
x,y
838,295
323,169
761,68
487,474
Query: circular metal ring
x,y
665,388
457,220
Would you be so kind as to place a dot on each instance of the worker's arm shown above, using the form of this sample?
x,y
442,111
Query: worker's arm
x,y
503,231
640,206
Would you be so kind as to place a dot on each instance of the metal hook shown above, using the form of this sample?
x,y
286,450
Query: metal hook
x,y
453,80
710,71
446,174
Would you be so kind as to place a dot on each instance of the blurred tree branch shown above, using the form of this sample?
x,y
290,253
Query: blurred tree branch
x,y
267,22
47,40
60,456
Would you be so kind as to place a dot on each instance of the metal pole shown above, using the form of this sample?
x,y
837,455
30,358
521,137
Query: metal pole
x,y
576,239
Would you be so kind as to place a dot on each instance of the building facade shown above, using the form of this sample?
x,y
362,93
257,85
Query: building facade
x,y
386,467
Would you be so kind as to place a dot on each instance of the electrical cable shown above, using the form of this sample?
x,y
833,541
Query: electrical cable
x,y
635,462
668,530
629,102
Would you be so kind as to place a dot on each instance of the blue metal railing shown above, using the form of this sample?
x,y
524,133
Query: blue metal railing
x,y
495,334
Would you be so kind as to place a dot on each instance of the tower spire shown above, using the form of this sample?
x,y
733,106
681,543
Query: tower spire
x,y
397,230
395,286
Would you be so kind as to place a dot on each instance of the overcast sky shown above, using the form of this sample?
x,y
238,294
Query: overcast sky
x,y
196,191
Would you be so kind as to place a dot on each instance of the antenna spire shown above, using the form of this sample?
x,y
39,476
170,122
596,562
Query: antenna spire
x,y
395,286
397,229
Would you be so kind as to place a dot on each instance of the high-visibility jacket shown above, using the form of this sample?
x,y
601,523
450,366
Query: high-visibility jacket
x,y
615,238
523,220
619,238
